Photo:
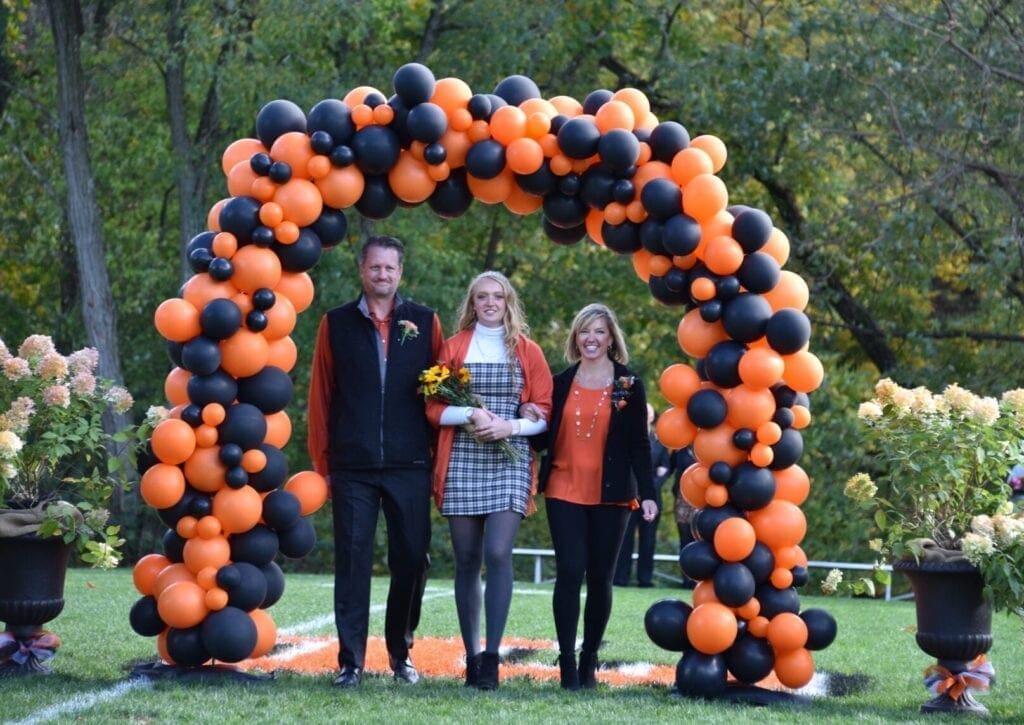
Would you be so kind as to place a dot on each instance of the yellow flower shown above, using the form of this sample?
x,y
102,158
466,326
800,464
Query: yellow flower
x,y
860,488
463,375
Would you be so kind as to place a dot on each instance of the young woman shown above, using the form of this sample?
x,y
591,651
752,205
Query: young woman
x,y
598,463
483,492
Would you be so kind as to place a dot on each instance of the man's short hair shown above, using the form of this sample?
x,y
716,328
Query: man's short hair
x,y
384,242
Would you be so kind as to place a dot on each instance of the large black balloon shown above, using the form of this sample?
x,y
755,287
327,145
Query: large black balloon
x,y
144,618
200,355
563,235
485,159
760,562
578,138
821,628
667,139
619,149
788,330
722,363
275,584
172,514
621,238
734,584
243,424
302,254
746,317
298,540
698,560
751,487
256,546
788,450
377,201
377,149
277,118
701,675
661,292
681,234
751,228
229,635
750,659
776,601
334,117
274,473
652,236
662,199
251,588
595,99
270,389
185,646
174,352
564,211
540,182
174,546
759,272
217,387
451,197
706,408
665,624
220,319
414,83
707,519
427,122
596,186
240,216
281,509
330,227
516,89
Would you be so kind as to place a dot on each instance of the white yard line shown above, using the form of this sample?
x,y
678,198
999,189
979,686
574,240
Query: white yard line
x,y
84,701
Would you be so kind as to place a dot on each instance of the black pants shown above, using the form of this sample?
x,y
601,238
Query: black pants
x,y
648,535
586,541
358,497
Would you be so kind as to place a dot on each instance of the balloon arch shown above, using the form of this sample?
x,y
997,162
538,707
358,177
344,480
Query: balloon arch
x,y
606,169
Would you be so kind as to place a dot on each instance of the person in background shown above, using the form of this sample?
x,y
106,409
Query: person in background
x,y
368,433
647,530
597,464
481,490
680,460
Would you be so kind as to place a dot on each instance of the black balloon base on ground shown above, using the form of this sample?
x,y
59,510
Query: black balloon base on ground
x,y
202,673
754,695
944,704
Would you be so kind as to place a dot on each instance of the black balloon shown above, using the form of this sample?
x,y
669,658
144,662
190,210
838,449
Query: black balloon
x,y
750,659
260,163
734,584
256,546
174,350
701,675
540,182
298,540
821,628
220,268
516,89
220,319
263,236
706,408
569,184
334,117
485,159
256,321
251,588
377,149
200,355
480,107
751,228
144,618
667,139
229,635
720,472
280,172
751,487
665,624
321,142
788,330
342,156
229,577
727,287
218,387
563,235
711,311
240,216
274,473
624,191
377,201
722,363
698,560
236,477
435,154
785,396
330,227
427,122
202,242
270,389
578,138
192,414
596,99
746,317
596,187
662,199
677,280
243,424
776,601
800,576
231,454
302,254
185,646
174,546
707,519
414,83
681,233
759,272
652,236
621,238
788,450
451,197
760,562
619,149
275,584
744,439
281,509
661,292
564,211
172,514
277,118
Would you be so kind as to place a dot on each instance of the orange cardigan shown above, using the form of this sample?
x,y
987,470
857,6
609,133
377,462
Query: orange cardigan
x,y
537,387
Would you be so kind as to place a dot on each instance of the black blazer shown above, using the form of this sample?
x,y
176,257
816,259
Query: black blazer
x,y
626,449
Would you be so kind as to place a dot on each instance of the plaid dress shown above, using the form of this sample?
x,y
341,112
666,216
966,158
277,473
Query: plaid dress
x,y
481,479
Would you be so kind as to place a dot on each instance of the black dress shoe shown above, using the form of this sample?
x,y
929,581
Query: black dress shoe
x,y
350,676
404,670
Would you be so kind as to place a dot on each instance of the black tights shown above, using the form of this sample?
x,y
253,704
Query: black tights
x,y
479,540
586,541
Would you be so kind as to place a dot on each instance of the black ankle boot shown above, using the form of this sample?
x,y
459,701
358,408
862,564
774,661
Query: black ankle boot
x,y
487,679
570,675
472,670
588,670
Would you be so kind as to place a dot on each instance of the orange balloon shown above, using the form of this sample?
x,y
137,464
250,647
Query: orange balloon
x,y
207,578
750,609
787,557
293,148
524,155
507,124
216,599
636,100
697,337
244,353
787,632
705,196
213,216
342,187
300,201
704,593
791,291
177,319
241,150
173,441
716,445
804,371
298,287
792,484
204,471
749,407
439,172
362,115
255,268
532,106
271,214
254,460
492,191
162,485
186,527
279,429
318,167
758,626
761,367
723,255
200,553
286,232
310,488
801,417
635,211
208,527
202,288
146,570
567,105
182,605
560,164
383,114
762,455
460,120
674,428
716,495
456,145
649,122
692,491
780,523
161,646
451,94
781,578
641,259
777,246
263,188
410,180
649,171
282,353
593,222
239,509
714,148
538,124
689,163
734,539
678,382
711,628
794,669
225,244
478,131
519,202
769,433
702,289
266,633
280,319
176,386
614,114
240,178
213,414
658,264
169,575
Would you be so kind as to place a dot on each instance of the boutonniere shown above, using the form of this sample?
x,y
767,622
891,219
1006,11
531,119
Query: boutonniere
x,y
622,389
409,331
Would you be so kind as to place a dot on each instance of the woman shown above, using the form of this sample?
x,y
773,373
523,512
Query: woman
x,y
482,492
597,438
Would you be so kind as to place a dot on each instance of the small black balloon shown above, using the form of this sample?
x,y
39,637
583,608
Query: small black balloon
x,y
711,311
564,211
229,634
256,321
701,675
260,163
722,363
621,238
720,472
342,156
788,449
821,628
485,159
698,560
217,387
203,240
298,540
734,584
236,477
727,287
706,408
677,280
788,330
623,191
662,199
280,172
263,298
321,142
185,646
221,269
652,236
480,107
541,181
231,454
192,414
183,507
751,487
414,83
174,350
199,260
595,99
144,619
785,396
596,187
277,118
251,588
374,99
783,418
760,562
451,197
667,139
744,439
759,272
661,292
435,154
229,577
202,505
665,623
800,576
569,184
750,659
263,236
751,228
376,148
427,122
578,138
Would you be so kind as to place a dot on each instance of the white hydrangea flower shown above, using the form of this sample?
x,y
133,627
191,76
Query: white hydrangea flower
x,y
870,410
10,444
832,581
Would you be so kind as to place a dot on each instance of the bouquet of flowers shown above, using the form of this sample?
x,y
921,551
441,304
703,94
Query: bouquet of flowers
x,y
455,388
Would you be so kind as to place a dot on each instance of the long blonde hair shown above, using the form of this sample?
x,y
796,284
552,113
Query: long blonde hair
x,y
515,319
618,350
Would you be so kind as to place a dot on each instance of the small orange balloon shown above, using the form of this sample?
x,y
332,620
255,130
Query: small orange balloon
x,y
244,353
689,163
186,527
716,495
801,417
200,553
761,367
769,433
711,628
702,289
362,115
705,196
781,578
794,669
636,100
225,244
255,268
298,287
659,264
524,155
263,188
216,599
254,460
762,455
146,570
213,216
383,114
704,593
310,488
750,609
207,577
182,605
282,354
716,445
777,246
614,114
478,131
758,626
266,632
213,413
508,123
201,288
207,527
318,167
271,214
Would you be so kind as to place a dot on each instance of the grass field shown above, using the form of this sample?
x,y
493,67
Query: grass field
x,y
91,684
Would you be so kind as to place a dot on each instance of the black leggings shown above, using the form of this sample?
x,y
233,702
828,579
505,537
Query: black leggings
x,y
586,541
479,540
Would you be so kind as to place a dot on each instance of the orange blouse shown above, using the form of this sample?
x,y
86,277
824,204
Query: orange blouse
x,y
578,455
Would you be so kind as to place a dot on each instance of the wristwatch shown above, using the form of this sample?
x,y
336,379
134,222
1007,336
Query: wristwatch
x,y
469,414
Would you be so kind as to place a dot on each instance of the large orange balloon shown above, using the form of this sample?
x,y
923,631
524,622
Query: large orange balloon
x,y
169,575
245,353
177,319
804,371
524,156
791,291
492,191
300,201
266,632
298,287
410,179
780,523
280,319
674,428
200,553
711,628
777,246
794,669
293,148
310,488
734,539
787,632
162,485
507,124
342,187
704,593
255,268
241,150
636,100
279,429
201,288
689,163
182,605
519,202
239,509
792,484
567,105
451,94
282,354
176,386
749,407
696,337
761,367
146,570
614,114
204,471
723,255
240,178
173,441
714,148
716,445
677,383
705,196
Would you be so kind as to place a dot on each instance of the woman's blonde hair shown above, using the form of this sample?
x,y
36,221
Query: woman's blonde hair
x,y
618,350
515,318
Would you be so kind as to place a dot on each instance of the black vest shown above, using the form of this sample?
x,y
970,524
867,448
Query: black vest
x,y
375,425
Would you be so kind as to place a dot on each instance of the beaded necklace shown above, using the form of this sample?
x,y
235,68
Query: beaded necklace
x,y
597,411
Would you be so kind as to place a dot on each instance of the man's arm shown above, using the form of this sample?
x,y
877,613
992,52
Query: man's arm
x,y
321,390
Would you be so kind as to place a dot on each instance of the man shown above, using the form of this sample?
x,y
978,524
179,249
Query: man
x,y
369,434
